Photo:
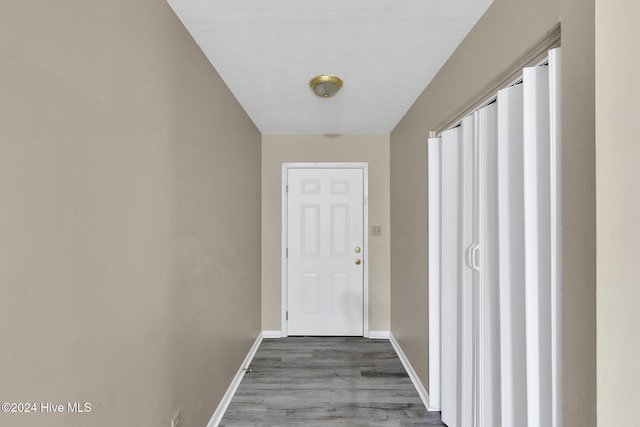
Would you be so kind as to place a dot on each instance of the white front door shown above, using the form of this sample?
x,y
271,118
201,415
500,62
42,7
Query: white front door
x,y
325,245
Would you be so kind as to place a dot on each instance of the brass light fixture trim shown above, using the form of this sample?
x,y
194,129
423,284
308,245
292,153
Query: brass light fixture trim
x,y
326,85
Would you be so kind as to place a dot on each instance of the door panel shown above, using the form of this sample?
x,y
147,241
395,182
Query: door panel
x,y
435,237
555,92
310,230
468,275
470,334
450,251
511,256
538,247
325,211
339,229
488,392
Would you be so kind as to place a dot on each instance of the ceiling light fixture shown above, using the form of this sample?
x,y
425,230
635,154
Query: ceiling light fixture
x,y
325,85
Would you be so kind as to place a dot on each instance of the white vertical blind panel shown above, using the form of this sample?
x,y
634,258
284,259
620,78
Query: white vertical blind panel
x,y
489,327
433,147
511,255
450,253
468,276
556,233
511,258
537,245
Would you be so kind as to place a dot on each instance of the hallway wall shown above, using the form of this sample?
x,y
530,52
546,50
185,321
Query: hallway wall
x,y
618,155
508,30
278,149
129,216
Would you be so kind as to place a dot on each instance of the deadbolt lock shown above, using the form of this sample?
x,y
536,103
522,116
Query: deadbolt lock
x,y
358,250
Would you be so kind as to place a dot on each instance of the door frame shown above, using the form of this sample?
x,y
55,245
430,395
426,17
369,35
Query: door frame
x,y
284,305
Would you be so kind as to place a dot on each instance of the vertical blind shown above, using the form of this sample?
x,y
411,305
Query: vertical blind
x,y
495,259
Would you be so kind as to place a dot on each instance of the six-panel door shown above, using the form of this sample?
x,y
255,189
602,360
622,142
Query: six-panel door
x,y
325,264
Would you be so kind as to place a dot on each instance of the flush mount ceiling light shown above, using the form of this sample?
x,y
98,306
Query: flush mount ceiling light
x,y
325,85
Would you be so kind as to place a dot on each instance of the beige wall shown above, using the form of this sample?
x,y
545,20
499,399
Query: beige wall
x,y
278,149
506,32
618,155
129,265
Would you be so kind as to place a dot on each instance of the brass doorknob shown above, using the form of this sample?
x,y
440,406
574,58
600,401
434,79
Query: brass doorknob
x,y
358,250
358,262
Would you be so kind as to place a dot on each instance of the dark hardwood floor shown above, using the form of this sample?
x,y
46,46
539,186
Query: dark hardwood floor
x,y
327,381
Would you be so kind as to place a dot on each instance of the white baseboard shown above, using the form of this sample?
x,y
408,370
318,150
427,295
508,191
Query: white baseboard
x,y
412,373
379,335
271,334
233,387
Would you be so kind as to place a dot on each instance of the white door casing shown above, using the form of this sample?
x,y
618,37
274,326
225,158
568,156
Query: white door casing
x,y
325,250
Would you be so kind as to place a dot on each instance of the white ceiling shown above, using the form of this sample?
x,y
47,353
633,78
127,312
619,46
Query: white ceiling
x,y
385,51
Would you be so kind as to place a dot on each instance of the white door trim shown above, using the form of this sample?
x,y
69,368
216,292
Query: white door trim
x,y
283,247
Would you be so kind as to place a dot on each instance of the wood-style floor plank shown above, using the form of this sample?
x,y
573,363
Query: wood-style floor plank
x,y
327,381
